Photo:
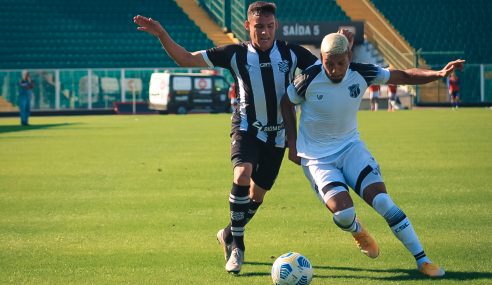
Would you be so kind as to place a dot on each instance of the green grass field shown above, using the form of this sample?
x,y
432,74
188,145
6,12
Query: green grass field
x,y
116,200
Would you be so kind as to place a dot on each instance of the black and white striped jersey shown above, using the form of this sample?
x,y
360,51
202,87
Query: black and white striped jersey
x,y
261,81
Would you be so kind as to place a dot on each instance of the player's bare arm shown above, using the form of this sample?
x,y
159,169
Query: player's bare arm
x,y
349,36
290,124
416,76
181,56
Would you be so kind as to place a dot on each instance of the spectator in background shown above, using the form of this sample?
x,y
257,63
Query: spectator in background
x,y
374,96
391,97
454,88
232,96
25,94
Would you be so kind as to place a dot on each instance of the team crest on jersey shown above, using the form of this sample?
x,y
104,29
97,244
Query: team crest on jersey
x,y
354,90
320,96
283,66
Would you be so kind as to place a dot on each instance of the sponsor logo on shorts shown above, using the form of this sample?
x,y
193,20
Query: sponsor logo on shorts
x,y
320,96
376,171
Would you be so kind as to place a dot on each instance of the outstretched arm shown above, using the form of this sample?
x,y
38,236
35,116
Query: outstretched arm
x,y
417,76
181,56
290,123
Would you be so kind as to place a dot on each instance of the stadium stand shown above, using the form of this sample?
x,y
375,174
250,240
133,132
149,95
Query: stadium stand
x,y
230,15
316,10
90,34
45,35
444,26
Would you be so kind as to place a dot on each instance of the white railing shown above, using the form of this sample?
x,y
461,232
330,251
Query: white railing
x,y
94,88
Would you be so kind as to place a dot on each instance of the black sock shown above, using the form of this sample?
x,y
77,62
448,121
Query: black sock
x,y
239,206
253,207
228,233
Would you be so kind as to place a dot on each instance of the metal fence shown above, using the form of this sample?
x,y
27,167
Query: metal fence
x,y
65,89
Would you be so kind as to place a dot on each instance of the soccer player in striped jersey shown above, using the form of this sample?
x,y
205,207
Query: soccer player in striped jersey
x,y
262,69
329,147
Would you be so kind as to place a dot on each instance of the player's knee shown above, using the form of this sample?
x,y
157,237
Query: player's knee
x,y
382,203
242,174
344,219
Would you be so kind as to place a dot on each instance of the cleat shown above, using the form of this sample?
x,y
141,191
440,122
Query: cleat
x,y
235,262
227,246
431,270
389,110
365,242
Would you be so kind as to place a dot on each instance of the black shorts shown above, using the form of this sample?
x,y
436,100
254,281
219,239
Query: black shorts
x,y
265,159
455,94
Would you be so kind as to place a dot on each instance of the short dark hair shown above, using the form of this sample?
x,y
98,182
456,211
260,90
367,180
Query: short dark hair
x,y
261,8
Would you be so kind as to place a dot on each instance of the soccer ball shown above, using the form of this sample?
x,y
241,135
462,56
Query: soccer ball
x,y
292,269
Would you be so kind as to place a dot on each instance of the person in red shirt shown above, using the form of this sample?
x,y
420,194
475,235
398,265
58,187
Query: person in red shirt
x,y
391,97
454,89
374,96
232,96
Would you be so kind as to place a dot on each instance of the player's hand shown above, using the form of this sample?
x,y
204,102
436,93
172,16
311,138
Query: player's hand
x,y
148,25
349,36
450,67
293,155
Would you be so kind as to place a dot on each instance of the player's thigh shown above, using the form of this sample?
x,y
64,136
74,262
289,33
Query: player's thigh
x,y
360,168
326,181
244,151
268,166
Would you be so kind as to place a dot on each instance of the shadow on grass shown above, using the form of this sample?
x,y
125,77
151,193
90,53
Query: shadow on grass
x,y
404,274
19,128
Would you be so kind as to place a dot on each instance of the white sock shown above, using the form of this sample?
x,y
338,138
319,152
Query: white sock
x,y
375,106
400,226
345,220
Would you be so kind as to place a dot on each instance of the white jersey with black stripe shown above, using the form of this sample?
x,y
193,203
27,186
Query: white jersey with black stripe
x,y
329,110
261,81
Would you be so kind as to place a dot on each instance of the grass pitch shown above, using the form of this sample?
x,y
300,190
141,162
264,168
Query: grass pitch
x,y
139,199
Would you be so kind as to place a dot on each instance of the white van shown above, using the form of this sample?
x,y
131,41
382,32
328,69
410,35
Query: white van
x,y
180,92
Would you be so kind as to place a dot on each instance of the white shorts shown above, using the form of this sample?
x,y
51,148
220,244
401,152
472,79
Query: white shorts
x,y
374,95
353,166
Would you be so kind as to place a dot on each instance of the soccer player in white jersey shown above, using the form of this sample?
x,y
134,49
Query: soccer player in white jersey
x,y
329,147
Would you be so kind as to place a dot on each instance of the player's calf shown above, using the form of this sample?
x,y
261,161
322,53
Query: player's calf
x,y
403,230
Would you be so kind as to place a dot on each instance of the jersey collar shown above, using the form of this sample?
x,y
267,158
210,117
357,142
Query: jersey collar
x,y
252,49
